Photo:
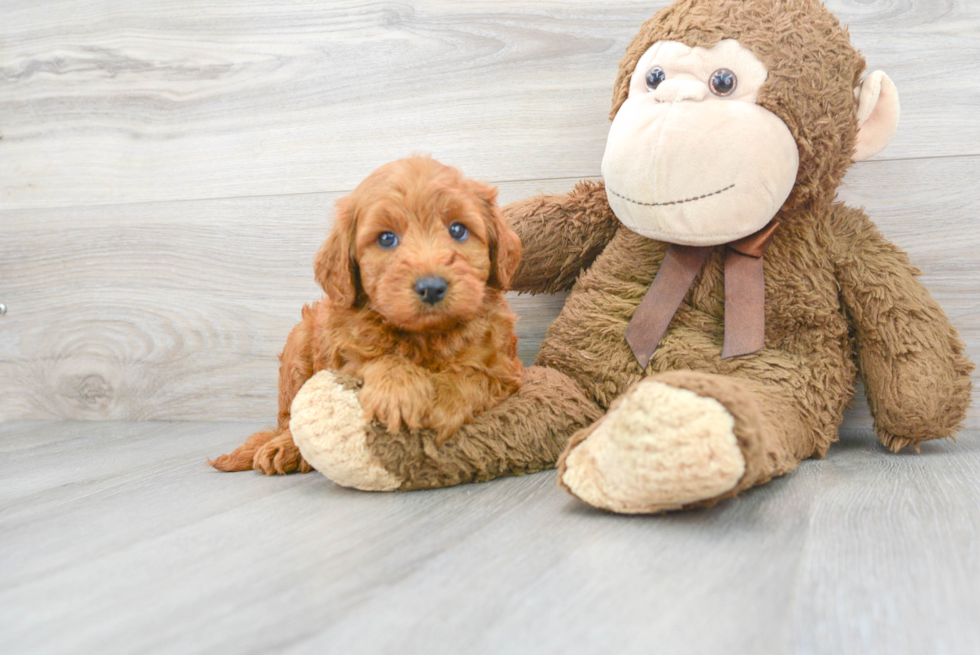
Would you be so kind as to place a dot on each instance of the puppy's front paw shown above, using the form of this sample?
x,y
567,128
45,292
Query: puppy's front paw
x,y
329,427
394,404
445,423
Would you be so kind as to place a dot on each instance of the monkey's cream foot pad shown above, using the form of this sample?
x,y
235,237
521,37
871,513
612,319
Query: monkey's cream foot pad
x,y
329,427
660,448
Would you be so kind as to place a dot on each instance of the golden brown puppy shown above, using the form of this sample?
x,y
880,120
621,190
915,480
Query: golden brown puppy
x,y
414,273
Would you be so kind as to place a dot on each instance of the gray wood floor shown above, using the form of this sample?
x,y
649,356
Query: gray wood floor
x,y
116,538
167,170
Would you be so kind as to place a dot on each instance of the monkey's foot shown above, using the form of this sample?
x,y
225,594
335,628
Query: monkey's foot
x,y
329,427
659,448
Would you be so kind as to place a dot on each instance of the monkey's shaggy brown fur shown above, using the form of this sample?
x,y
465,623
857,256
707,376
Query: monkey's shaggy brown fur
x,y
421,366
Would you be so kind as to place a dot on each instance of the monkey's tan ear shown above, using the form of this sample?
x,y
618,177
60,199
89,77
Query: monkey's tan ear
x,y
334,265
878,112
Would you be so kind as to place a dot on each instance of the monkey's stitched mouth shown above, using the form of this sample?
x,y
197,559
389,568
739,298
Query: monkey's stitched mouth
x,y
672,202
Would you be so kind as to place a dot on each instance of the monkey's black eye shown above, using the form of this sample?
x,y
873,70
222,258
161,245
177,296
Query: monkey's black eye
x,y
459,232
723,82
387,240
655,77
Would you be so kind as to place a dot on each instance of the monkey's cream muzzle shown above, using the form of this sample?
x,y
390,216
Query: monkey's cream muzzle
x,y
686,166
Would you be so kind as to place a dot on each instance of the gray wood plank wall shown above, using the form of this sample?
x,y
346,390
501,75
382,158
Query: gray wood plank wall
x,y
167,170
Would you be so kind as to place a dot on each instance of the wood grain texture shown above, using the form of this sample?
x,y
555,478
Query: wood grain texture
x,y
176,311
172,311
129,101
116,538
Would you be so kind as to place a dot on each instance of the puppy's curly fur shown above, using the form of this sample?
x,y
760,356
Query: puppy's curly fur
x,y
425,364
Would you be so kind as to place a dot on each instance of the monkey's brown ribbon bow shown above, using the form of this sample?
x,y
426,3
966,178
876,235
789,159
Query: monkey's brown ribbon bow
x,y
745,296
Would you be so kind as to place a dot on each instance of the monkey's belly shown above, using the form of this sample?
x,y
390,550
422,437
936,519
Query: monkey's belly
x,y
809,338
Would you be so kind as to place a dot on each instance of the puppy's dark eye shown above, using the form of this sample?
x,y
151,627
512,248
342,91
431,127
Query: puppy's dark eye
x,y
723,82
655,77
387,240
459,232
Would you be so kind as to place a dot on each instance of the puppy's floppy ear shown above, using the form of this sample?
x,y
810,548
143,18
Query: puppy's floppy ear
x,y
505,245
334,265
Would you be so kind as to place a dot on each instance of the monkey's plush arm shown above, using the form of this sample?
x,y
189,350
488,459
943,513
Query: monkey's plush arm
x,y
561,235
916,376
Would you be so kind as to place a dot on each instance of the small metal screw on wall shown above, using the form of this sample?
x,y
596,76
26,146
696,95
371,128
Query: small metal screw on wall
x,y
3,309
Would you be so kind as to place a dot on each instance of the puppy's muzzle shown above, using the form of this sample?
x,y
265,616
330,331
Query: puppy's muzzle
x,y
431,289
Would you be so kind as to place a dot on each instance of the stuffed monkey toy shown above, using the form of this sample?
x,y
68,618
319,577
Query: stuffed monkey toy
x,y
722,301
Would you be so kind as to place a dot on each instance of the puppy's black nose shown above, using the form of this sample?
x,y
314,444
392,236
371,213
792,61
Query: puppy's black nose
x,y
431,289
